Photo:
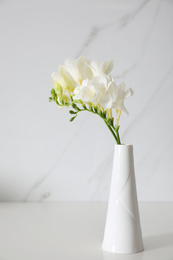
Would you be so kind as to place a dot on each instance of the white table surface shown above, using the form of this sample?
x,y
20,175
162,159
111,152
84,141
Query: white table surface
x,y
49,231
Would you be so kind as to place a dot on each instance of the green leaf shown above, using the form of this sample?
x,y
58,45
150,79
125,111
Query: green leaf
x,y
50,99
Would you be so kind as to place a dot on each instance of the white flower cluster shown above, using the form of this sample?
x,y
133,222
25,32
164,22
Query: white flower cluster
x,y
91,83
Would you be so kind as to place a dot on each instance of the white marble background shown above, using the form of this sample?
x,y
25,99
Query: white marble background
x,y
43,156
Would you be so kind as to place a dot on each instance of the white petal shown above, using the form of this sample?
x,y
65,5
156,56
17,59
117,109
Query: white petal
x,y
88,93
115,89
111,86
122,86
107,66
103,80
70,62
95,66
55,76
84,70
129,92
84,82
125,111
106,102
70,66
65,75
78,93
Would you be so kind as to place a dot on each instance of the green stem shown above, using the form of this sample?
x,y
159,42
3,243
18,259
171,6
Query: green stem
x,y
113,129
112,132
116,129
117,138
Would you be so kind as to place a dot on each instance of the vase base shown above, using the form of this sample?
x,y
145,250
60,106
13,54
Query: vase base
x,y
114,251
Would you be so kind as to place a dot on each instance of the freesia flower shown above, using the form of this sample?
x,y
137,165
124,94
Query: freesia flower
x,y
88,86
121,94
97,91
79,69
63,79
63,99
101,68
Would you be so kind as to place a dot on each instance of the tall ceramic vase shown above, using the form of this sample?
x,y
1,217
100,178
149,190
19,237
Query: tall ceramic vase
x,y
122,230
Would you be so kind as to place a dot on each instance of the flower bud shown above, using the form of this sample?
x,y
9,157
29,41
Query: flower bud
x,y
74,105
117,128
72,118
90,107
96,109
58,89
110,121
53,94
84,106
72,112
104,114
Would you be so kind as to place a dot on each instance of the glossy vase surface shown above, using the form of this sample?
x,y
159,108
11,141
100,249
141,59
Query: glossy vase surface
x,y
122,230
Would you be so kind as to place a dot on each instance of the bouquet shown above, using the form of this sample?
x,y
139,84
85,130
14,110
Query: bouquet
x,y
86,85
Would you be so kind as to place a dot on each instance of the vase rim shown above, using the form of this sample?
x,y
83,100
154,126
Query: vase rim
x,y
123,145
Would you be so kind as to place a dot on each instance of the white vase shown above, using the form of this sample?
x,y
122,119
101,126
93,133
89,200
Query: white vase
x,y
122,230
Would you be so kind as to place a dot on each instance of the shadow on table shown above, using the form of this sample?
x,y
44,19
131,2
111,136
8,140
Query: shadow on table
x,y
159,241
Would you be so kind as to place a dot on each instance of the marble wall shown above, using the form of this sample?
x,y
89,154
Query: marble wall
x,y
43,156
